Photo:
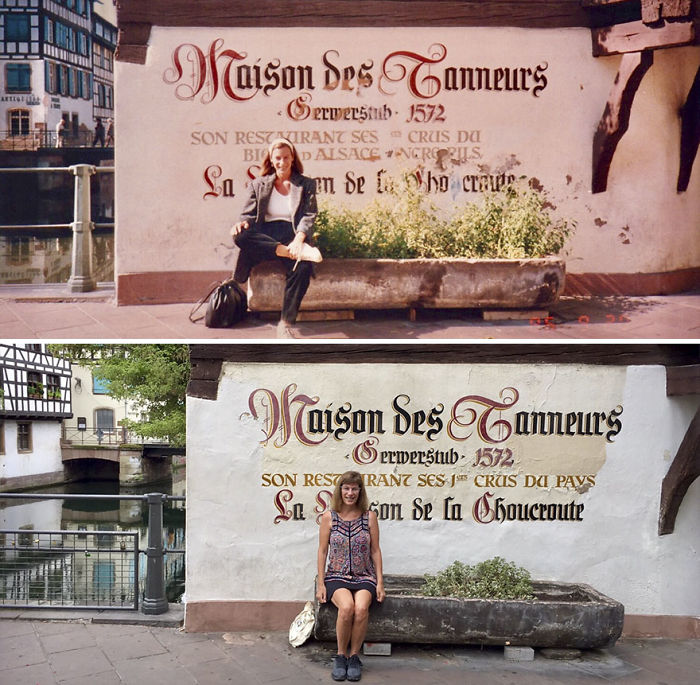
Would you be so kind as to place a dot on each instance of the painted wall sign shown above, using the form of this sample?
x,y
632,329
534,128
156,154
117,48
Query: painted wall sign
x,y
402,108
463,450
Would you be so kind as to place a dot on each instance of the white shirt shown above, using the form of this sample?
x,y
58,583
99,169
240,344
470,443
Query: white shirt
x,y
279,207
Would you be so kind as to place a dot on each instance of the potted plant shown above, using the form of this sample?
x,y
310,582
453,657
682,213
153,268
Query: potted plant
x,y
402,251
35,389
491,603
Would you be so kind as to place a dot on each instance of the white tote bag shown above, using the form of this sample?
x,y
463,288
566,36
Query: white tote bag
x,y
302,626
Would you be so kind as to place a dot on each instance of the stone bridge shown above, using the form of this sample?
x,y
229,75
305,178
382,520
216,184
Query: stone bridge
x,y
131,464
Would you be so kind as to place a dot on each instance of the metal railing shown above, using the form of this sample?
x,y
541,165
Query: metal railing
x,y
91,435
33,140
39,564
43,568
82,278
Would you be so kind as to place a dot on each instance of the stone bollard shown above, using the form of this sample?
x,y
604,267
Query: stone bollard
x,y
82,278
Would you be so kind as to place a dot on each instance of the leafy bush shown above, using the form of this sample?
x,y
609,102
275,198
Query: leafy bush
x,y
511,223
491,579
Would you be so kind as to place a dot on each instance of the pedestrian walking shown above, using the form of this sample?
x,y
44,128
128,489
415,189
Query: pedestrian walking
x,y
110,132
60,132
99,133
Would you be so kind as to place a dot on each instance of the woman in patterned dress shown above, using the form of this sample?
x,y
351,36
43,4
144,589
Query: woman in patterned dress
x,y
352,577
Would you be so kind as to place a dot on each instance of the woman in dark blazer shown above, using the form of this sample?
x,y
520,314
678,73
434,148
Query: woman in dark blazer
x,y
276,222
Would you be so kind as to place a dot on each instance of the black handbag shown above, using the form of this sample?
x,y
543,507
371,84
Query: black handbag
x,y
227,305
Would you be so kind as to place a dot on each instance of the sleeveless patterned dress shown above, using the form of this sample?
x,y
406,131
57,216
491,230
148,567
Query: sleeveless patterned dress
x,y
350,564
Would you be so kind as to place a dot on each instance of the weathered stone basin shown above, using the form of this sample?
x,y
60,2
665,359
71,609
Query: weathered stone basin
x,y
417,283
565,616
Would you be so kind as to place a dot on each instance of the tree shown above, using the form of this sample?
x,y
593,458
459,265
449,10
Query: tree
x,y
152,377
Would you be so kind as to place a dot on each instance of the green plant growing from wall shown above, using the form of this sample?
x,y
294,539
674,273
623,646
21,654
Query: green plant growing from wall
x,y
514,222
491,579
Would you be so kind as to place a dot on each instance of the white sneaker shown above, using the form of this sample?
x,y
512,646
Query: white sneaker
x,y
309,253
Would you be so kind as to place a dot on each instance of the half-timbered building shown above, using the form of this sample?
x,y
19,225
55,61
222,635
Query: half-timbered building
x,y
56,61
35,396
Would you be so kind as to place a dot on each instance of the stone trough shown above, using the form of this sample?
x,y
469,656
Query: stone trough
x,y
562,616
350,284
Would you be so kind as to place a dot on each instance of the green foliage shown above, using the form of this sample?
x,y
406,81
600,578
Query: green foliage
x,y
511,223
153,377
491,579
35,389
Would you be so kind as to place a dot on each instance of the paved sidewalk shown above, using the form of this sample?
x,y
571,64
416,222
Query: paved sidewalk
x,y
37,652
48,312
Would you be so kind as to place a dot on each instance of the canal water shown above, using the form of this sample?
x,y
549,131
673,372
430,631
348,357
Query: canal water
x,y
35,259
87,518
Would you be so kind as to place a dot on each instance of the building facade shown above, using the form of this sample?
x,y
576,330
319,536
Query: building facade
x,y
104,42
97,417
578,464
56,61
35,397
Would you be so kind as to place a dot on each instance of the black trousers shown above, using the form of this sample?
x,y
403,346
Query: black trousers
x,y
258,244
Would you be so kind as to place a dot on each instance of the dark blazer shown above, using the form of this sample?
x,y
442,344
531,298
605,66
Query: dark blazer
x,y
303,193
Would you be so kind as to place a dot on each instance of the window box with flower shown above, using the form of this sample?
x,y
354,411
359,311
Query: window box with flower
x,y
35,390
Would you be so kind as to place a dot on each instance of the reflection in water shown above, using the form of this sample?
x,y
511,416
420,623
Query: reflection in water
x,y
28,258
97,568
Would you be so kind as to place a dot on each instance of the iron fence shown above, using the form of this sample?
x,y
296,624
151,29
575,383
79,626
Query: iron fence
x,y
94,435
34,140
82,276
84,569
67,568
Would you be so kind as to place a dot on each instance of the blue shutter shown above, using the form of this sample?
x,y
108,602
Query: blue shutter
x,y
25,77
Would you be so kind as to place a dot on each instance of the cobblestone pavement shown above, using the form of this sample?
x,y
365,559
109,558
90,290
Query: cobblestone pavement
x,y
38,652
31,312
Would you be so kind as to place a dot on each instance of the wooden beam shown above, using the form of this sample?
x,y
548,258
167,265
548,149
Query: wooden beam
x,y
344,13
204,376
690,134
615,120
636,36
603,3
132,43
683,380
133,16
467,353
684,469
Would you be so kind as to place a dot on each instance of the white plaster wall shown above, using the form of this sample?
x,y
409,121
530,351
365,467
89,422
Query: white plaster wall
x,y
236,552
617,548
45,456
85,402
641,224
